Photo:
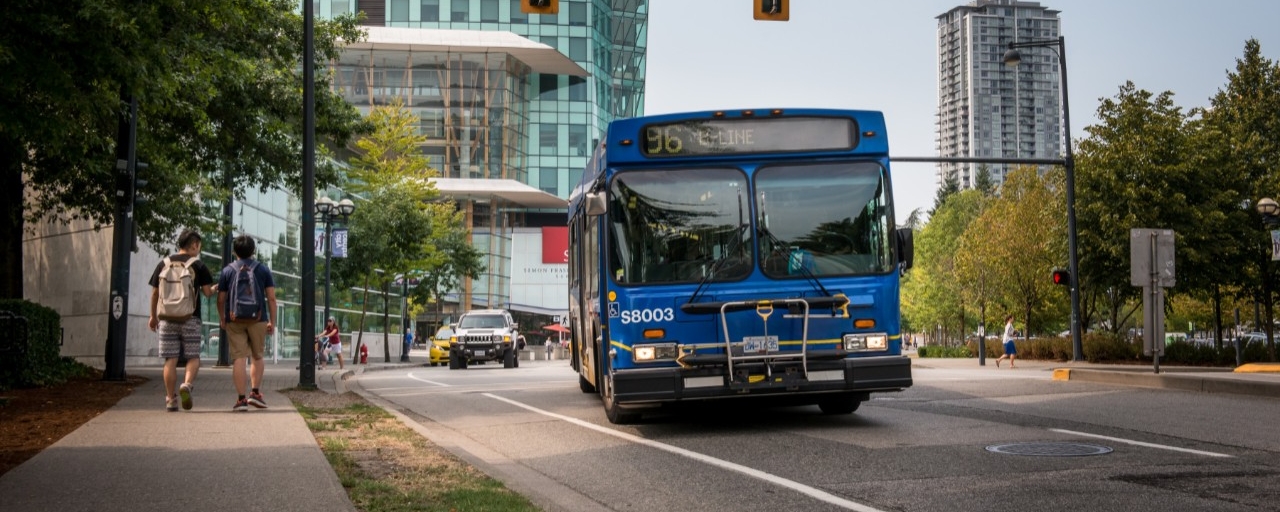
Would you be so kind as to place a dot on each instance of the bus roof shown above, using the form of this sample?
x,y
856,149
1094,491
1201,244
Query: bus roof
x,y
624,140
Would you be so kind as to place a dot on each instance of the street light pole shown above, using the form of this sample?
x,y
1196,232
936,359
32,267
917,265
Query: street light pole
x,y
1270,212
329,211
307,329
1012,58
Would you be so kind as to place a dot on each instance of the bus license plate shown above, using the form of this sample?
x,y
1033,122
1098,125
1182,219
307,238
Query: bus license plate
x,y
759,344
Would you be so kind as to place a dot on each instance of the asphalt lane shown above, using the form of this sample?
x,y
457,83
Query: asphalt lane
x,y
923,449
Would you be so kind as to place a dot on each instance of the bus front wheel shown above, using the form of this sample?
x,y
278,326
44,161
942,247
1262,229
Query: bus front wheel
x,y
844,403
616,413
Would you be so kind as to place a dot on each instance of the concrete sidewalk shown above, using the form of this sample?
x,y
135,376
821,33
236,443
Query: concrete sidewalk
x,y
1261,379
137,456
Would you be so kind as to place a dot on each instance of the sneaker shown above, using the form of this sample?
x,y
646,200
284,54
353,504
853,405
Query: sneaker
x,y
171,404
241,405
255,399
184,392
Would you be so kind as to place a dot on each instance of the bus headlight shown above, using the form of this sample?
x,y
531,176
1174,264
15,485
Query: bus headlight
x,y
650,353
861,342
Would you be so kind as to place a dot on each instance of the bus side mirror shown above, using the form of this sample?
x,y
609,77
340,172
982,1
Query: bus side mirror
x,y
595,203
906,247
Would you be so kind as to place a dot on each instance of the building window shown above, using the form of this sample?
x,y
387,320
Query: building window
x,y
578,15
548,179
547,85
578,49
337,7
399,10
459,12
518,16
577,88
430,10
548,138
489,10
578,139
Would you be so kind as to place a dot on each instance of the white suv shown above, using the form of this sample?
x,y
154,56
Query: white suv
x,y
485,335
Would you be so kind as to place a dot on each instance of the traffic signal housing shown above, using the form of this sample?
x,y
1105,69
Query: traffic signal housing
x,y
139,191
771,10
1061,277
540,6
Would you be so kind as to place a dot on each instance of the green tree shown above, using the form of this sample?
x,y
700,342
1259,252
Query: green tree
x,y
1241,135
983,182
402,230
1024,233
950,186
932,294
220,109
976,269
1133,172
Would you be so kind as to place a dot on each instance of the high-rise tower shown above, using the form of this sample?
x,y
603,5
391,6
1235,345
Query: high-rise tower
x,y
986,109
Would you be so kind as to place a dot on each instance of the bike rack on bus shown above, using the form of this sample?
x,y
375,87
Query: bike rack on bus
x,y
764,308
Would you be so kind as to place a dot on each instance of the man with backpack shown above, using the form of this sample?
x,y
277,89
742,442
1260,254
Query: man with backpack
x,y
246,298
175,314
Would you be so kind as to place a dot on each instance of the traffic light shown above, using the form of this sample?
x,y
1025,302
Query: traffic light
x,y
540,6
139,185
771,10
1061,277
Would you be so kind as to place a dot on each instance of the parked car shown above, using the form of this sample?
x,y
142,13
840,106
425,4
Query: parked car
x,y
1252,337
485,335
439,349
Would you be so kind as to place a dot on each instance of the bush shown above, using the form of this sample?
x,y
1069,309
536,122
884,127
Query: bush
x,y
34,361
938,351
1107,347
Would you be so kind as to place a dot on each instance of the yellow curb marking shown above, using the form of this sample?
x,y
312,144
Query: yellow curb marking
x,y
1061,374
1259,368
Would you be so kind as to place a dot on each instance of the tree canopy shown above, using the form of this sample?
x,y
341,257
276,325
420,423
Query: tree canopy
x,y
219,89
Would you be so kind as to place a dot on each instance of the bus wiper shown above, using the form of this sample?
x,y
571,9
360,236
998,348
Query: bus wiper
x,y
804,270
737,241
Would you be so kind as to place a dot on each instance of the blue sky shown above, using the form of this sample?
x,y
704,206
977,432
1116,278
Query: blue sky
x,y
882,55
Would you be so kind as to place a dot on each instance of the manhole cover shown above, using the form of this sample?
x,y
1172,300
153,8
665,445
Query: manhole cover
x,y
1050,449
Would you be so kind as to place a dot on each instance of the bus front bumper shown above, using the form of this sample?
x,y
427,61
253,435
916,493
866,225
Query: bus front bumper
x,y
859,375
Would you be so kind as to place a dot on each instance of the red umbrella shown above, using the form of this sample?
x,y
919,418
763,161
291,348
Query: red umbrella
x,y
556,328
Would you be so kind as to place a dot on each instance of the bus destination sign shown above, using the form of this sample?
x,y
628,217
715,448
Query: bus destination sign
x,y
739,136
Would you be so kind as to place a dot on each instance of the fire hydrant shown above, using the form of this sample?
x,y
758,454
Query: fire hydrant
x,y
364,354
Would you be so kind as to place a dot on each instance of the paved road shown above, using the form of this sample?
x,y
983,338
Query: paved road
x,y
926,449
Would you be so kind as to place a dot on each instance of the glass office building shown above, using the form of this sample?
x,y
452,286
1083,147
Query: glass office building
x,y
495,105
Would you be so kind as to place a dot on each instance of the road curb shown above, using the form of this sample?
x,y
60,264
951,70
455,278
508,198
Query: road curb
x,y
1169,381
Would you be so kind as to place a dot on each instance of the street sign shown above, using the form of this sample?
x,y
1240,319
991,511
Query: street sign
x,y
1144,260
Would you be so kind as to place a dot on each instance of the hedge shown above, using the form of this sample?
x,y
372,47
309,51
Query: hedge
x,y
1103,347
35,361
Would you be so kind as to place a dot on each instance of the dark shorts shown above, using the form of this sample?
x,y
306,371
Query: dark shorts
x,y
1009,349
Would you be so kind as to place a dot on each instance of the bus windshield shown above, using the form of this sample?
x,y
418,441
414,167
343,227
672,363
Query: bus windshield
x,y
681,225
823,220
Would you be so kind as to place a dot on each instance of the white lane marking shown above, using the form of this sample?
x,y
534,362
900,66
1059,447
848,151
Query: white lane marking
x,y
411,376
707,459
1140,443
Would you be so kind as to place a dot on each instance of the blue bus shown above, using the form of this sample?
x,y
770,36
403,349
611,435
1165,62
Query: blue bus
x,y
737,254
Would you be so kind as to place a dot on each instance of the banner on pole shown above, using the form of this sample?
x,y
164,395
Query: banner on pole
x,y
340,242
1275,245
